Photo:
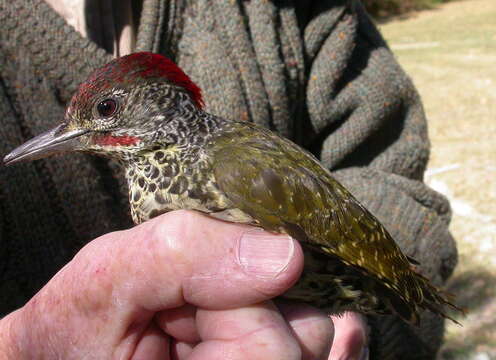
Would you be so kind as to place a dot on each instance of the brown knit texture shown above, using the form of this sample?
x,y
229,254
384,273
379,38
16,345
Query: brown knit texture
x,y
317,72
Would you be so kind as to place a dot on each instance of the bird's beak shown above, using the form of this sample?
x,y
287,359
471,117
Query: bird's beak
x,y
55,141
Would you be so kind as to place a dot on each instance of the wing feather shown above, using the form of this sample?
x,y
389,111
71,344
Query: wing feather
x,y
283,186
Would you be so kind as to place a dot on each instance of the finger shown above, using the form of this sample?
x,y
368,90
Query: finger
x,y
179,323
186,257
153,345
181,257
350,336
181,350
252,332
313,329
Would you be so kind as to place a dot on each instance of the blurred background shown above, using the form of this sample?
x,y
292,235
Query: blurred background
x,y
449,50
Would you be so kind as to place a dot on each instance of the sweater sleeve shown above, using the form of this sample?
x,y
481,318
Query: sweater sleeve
x,y
368,127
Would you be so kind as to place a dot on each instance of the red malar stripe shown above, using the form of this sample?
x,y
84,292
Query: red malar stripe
x,y
109,140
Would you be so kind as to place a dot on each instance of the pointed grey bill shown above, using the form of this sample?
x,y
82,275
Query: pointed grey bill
x,y
52,142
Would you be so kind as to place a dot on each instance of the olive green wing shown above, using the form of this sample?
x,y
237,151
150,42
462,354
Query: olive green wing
x,y
286,190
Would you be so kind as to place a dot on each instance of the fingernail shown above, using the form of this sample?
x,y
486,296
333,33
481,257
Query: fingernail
x,y
265,255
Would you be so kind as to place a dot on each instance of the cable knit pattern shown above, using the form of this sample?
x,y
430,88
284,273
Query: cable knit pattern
x,y
318,72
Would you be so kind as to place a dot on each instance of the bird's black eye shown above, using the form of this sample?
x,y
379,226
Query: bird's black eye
x,y
107,107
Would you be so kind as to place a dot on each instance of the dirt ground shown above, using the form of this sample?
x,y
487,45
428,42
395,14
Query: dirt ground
x,y
450,53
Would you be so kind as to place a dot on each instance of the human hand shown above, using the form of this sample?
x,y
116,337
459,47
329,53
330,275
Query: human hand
x,y
180,286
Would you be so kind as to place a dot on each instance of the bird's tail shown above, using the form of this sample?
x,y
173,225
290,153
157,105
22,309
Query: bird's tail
x,y
437,300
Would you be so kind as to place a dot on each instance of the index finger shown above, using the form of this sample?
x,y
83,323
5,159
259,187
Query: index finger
x,y
186,257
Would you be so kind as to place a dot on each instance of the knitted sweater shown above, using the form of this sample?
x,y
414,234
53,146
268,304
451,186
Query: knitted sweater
x,y
317,72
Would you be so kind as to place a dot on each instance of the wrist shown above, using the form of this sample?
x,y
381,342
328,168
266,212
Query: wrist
x,y
9,335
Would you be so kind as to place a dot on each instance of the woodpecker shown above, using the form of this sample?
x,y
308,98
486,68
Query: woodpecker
x,y
143,111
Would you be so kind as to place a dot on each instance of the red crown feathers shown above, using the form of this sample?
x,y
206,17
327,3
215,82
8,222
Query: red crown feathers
x,y
140,65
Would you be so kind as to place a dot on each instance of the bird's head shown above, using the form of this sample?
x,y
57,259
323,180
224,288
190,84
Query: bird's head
x,y
121,109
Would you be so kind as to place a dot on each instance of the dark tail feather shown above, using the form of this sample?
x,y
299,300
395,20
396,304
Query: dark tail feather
x,y
437,301
398,304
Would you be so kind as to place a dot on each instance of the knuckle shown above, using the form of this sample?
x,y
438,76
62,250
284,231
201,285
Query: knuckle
x,y
271,341
284,347
176,223
313,328
183,217
321,328
316,335
173,237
